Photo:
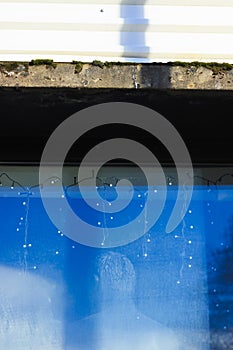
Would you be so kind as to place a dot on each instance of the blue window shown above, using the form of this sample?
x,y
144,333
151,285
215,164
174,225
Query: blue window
x,y
157,291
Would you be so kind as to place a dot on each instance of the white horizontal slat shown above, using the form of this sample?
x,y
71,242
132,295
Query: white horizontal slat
x,y
82,41
188,3
127,30
73,13
118,26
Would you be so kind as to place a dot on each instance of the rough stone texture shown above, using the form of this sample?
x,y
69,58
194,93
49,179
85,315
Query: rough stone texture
x,y
129,76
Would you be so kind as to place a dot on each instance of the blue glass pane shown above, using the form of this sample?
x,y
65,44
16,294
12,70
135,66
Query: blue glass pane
x,y
161,291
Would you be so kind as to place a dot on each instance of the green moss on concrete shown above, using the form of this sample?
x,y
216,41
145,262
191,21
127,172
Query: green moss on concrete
x,y
78,66
98,64
108,64
12,66
111,64
214,66
43,62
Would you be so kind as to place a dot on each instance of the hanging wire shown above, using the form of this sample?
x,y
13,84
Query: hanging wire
x,y
219,180
112,182
13,181
76,183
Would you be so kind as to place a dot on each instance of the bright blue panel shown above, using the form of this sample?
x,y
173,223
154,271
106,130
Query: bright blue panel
x,y
162,291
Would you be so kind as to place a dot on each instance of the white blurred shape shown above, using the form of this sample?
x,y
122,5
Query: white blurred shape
x,y
27,319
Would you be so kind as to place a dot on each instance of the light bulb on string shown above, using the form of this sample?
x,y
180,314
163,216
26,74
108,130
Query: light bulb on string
x,y
169,181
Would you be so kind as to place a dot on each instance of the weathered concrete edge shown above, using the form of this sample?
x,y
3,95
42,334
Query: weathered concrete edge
x,y
121,76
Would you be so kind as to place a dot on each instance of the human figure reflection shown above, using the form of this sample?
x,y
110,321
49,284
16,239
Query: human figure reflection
x,y
119,325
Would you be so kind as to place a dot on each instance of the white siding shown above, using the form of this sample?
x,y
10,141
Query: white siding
x,y
117,30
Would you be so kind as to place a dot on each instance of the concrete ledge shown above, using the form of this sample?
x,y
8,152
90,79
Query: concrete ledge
x,y
192,75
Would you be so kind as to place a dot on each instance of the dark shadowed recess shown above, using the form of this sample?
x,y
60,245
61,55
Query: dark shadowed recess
x,y
30,115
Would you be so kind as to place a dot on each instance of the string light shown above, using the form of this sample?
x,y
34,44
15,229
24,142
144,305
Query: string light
x,y
219,180
107,185
112,182
13,181
216,182
204,179
170,180
103,183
